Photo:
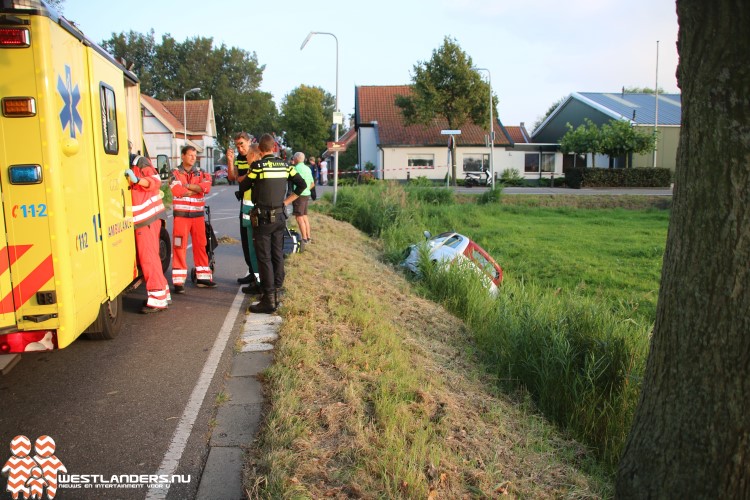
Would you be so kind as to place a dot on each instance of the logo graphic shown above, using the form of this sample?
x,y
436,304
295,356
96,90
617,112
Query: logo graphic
x,y
29,476
71,96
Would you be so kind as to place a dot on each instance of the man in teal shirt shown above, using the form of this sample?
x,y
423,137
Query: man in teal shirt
x,y
300,204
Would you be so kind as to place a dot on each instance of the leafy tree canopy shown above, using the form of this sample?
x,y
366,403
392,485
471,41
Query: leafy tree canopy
x,y
306,119
231,76
616,138
446,86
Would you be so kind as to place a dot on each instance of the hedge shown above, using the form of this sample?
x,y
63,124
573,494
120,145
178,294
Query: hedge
x,y
621,177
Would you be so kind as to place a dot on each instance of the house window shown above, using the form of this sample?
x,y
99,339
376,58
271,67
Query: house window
x,y
109,120
476,162
531,163
548,162
424,161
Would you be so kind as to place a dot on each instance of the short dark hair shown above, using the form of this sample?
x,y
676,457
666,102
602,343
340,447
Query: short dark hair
x,y
242,135
187,148
266,143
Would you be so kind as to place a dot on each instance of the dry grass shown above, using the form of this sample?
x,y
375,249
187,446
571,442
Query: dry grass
x,y
375,393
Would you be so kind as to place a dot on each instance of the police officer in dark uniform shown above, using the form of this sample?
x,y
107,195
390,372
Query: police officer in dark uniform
x,y
238,168
268,179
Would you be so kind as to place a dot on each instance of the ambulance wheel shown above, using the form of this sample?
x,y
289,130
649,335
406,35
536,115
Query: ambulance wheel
x,y
165,249
108,323
193,276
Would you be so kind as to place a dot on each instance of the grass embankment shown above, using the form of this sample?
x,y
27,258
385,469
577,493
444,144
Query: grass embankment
x,y
572,320
378,393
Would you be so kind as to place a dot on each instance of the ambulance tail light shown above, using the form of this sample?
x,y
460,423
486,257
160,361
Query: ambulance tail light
x,y
19,106
14,37
38,340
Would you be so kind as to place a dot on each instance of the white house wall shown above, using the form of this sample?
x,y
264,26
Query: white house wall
x,y
396,162
368,147
158,139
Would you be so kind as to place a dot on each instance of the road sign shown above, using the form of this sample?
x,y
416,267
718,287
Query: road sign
x,y
338,118
336,146
450,132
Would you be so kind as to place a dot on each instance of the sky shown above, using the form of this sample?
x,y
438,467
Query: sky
x,y
537,51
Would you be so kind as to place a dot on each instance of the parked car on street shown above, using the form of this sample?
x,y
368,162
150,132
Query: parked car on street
x,y
451,247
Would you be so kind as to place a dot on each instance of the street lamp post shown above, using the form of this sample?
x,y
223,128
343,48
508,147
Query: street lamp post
x,y
492,127
336,123
184,111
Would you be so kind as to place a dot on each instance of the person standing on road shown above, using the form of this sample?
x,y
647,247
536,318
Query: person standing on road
x,y
323,172
268,179
300,204
145,188
189,186
239,166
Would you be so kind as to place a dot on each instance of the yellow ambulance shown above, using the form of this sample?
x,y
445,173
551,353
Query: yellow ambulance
x,y
67,248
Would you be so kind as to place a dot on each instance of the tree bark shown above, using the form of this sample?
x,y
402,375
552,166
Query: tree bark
x,y
691,431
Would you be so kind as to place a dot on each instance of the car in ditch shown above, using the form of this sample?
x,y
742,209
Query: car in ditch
x,y
451,247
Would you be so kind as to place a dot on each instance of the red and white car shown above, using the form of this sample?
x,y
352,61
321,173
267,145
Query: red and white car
x,y
454,247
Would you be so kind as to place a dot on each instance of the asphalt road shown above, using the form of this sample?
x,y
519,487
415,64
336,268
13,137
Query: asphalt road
x,y
112,407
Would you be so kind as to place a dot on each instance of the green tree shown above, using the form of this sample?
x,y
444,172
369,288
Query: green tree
x,y
231,76
446,87
620,138
586,138
306,118
138,49
640,90
690,436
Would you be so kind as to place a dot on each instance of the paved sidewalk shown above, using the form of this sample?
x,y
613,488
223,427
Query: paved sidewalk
x,y
238,419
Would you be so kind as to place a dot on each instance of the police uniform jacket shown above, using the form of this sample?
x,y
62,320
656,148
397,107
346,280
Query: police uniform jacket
x,y
268,178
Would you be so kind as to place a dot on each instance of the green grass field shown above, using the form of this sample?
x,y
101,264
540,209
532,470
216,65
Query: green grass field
x,y
614,255
572,321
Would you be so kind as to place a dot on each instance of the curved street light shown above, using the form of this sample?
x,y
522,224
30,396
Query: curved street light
x,y
184,111
336,123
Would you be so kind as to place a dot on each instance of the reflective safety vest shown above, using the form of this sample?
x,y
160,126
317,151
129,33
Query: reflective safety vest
x,y
247,204
186,203
147,204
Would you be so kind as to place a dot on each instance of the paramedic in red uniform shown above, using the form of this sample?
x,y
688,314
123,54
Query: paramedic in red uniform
x,y
147,206
189,186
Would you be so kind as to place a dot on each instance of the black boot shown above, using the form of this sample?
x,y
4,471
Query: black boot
x,y
267,304
252,288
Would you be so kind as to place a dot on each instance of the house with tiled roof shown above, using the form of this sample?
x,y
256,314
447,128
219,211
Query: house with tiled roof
x,y
164,130
642,111
400,151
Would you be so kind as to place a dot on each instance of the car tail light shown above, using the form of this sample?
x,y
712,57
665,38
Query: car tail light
x,y
38,340
14,37
19,106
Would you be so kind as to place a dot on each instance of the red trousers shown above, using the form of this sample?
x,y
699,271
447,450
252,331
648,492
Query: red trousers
x,y
147,248
195,228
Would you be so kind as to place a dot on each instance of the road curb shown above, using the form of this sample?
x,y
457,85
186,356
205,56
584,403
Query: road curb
x,y
238,420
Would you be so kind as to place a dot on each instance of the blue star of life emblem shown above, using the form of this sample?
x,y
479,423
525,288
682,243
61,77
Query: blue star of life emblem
x,y
69,116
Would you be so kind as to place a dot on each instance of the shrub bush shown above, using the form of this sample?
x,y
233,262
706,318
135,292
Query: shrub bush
x,y
512,177
491,196
620,177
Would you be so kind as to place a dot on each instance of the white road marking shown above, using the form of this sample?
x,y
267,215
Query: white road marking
x,y
181,434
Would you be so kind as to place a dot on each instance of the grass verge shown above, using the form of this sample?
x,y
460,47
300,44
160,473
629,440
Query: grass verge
x,y
378,393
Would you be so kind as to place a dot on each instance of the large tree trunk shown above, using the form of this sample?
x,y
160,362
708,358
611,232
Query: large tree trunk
x,y
691,432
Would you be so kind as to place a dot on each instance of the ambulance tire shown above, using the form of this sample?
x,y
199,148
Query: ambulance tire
x,y
165,249
109,322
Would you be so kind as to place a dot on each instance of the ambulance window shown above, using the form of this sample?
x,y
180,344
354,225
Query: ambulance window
x,y
109,120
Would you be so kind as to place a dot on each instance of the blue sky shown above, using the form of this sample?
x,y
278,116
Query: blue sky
x,y
536,50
